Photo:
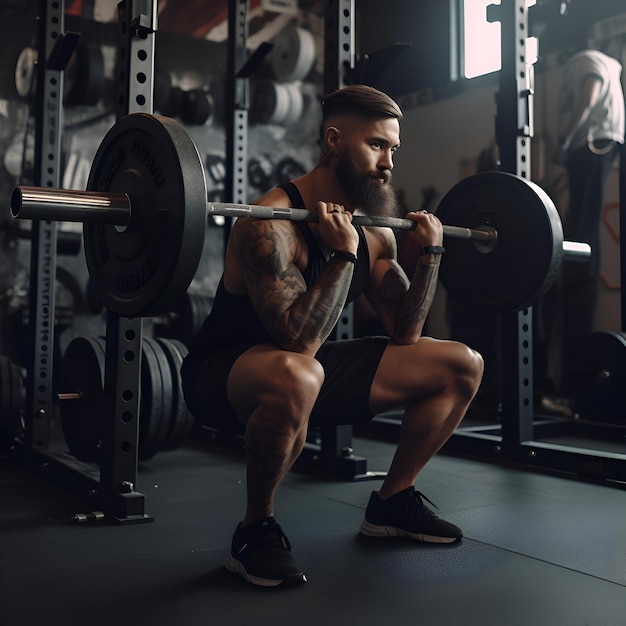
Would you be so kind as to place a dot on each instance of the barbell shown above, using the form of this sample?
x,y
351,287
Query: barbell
x,y
145,209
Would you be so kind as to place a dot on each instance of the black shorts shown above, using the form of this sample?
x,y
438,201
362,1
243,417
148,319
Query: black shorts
x,y
349,366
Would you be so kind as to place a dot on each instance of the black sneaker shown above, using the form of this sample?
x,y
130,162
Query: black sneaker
x,y
406,515
261,554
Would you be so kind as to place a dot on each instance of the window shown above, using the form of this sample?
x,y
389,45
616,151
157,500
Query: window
x,y
481,39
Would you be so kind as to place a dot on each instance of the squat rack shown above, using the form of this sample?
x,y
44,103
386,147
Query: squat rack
x,y
112,489
520,438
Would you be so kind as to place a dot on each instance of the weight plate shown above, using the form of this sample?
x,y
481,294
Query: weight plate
x,y
271,103
84,78
144,269
156,399
293,54
82,420
181,422
296,104
197,108
599,377
527,256
25,72
187,317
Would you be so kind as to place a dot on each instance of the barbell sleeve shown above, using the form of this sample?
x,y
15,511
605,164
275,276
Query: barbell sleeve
x,y
72,205
576,251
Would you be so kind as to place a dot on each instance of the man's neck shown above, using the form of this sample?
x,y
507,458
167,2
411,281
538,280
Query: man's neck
x,y
321,184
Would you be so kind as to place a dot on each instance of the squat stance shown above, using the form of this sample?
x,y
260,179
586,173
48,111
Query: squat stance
x,y
262,365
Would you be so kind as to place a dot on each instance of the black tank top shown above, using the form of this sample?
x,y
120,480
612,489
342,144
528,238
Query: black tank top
x,y
233,320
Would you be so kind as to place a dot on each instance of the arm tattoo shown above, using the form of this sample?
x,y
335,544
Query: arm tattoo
x,y
411,305
299,318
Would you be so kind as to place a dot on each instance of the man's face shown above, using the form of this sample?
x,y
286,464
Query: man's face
x,y
364,164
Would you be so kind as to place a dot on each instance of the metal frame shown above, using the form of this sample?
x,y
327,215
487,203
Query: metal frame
x,y
111,489
49,122
517,439
238,103
335,452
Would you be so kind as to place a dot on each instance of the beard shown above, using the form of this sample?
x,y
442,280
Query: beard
x,y
364,189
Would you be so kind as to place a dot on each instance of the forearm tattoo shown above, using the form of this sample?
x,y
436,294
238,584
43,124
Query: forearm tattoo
x,y
412,305
316,313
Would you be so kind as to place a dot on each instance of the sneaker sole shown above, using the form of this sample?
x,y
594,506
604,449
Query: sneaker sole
x,y
237,567
373,530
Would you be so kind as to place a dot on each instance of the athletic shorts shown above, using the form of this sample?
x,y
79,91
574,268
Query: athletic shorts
x,y
349,365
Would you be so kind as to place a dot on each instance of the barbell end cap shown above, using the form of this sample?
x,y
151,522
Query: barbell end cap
x,y
16,203
576,251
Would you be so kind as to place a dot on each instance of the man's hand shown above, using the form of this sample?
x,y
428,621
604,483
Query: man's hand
x,y
429,230
335,227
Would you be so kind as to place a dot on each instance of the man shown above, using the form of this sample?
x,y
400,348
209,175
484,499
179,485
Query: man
x,y
591,120
262,363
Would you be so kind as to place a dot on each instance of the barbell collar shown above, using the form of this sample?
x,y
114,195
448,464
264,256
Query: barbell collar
x,y
115,209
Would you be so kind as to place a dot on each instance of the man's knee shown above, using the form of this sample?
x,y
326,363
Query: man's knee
x,y
293,384
298,378
469,369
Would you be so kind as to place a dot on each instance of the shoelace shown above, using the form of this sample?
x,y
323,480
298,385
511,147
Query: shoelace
x,y
265,528
419,496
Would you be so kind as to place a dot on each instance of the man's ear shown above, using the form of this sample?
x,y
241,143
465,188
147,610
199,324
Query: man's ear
x,y
332,138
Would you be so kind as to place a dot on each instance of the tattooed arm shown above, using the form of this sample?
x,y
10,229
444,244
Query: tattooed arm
x,y
403,305
269,253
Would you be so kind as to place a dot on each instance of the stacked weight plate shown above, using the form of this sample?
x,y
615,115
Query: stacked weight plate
x,y
164,420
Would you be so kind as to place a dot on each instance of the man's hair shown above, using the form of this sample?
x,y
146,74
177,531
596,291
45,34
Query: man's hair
x,y
360,100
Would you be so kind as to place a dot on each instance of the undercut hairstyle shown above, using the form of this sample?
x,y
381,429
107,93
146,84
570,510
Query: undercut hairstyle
x,y
360,100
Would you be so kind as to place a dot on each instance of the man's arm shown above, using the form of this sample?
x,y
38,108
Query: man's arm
x,y
403,305
300,320
585,101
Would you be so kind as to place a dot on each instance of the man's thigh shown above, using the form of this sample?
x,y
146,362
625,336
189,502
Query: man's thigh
x,y
408,372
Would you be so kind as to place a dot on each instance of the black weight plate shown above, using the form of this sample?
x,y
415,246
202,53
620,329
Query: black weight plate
x,y
82,420
188,316
156,399
144,269
526,259
85,77
599,377
182,422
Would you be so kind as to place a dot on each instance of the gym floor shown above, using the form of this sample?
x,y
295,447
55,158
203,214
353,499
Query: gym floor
x,y
539,550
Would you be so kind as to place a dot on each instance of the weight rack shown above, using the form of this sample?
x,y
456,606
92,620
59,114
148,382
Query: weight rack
x,y
517,440
111,490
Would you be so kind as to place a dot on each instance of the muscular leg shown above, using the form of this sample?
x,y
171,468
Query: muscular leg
x,y
273,392
437,380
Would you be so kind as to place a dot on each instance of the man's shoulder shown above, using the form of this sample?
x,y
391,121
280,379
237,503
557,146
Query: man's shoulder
x,y
274,197
588,62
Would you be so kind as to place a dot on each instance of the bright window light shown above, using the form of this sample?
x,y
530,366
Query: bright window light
x,y
481,39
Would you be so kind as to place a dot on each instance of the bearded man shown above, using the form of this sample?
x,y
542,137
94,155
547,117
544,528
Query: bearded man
x,y
263,365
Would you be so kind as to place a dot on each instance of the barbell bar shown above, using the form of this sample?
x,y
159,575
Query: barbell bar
x,y
37,203
145,208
